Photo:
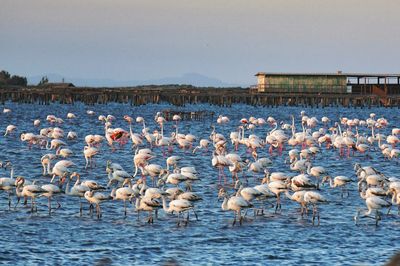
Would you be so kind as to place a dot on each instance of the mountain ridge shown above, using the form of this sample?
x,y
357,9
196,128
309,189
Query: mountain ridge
x,y
191,78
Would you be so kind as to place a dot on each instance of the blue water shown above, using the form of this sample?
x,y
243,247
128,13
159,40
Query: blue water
x,y
274,239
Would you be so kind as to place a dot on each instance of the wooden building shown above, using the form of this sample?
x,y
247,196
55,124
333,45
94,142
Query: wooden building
x,y
328,83
58,85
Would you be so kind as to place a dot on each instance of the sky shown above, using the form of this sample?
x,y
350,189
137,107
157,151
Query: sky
x,y
229,40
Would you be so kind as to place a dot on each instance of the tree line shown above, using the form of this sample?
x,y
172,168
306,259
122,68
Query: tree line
x,y
7,79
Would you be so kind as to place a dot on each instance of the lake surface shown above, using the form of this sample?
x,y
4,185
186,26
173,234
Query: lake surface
x,y
272,239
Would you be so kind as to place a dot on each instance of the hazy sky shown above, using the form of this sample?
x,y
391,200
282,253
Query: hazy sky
x,y
230,40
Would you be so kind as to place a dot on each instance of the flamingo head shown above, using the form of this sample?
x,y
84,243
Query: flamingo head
x,y
128,118
127,181
221,193
19,181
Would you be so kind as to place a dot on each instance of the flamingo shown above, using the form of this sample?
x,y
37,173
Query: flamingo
x,y
10,129
60,168
374,204
317,172
8,184
147,204
298,196
235,204
46,162
338,181
220,162
65,153
36,122
301,182
124,193
173,161
50,189
136,138
96,198
27,191
179,206
72,135
277,187
314,198
89,153
78,190
71,116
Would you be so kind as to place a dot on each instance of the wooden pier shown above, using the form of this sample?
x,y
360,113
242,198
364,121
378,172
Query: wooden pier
x,y
184,95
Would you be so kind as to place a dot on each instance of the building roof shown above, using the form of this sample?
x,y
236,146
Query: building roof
x,y
338,74
58,84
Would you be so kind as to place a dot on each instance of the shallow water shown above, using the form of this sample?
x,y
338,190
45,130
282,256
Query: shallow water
x,y
285,238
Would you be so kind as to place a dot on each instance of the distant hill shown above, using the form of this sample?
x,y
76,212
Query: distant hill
x,y
194,79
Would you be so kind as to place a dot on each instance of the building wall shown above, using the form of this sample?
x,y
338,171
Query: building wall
x,y
302,83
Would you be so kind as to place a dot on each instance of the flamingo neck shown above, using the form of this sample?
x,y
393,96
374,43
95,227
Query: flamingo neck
x,y
272,131
137,203
78,180
224,205
164,203
130,129
340,129
293,127
331,182
67,191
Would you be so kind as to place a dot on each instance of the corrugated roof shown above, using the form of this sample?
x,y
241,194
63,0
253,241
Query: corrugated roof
x,y
356,75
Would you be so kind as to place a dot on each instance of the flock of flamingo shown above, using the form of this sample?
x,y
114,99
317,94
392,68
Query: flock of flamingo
x,y
244,183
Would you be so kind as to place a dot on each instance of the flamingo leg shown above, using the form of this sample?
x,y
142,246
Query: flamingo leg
x,y
302,211
195,214
18,199
80,207
58,204
49,205
278,203
315,214
240,217
99,211
9,200
91,210
179,221
187,219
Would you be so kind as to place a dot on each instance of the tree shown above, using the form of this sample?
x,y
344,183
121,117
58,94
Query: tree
x,y
4,77
17,80
43,81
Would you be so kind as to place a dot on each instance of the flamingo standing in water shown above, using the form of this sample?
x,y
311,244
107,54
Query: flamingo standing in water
x,y
89,153
314,198
124,193
96,198
220,162
235,204
27,191
374,204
